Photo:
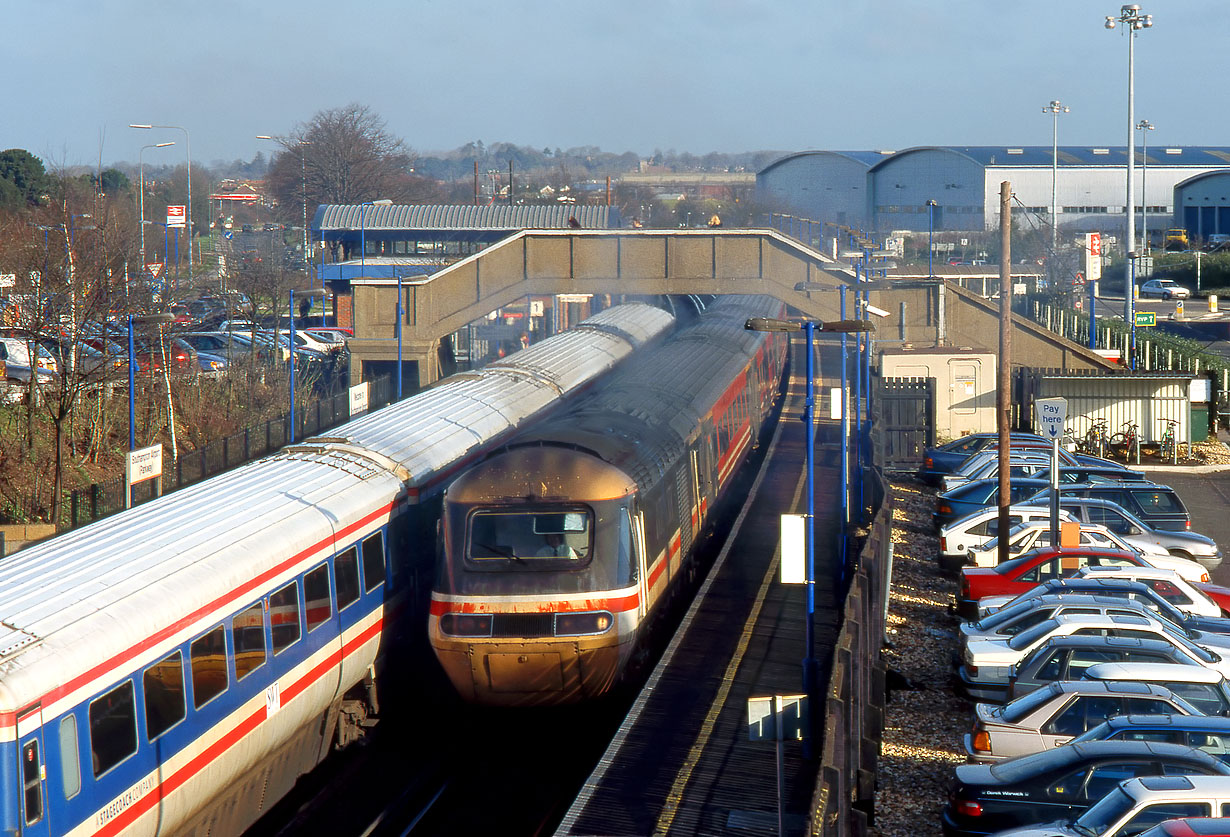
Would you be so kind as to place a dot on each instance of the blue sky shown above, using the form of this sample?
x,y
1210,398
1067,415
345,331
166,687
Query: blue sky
x,y
636,75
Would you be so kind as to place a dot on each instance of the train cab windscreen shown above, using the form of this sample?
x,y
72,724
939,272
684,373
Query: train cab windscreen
x,y
530,539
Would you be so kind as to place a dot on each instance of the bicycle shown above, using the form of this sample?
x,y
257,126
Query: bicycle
x,y
1124,442
1168,448
1095,440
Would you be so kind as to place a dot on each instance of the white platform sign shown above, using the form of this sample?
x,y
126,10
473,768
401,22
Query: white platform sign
x,y
144,464
358,398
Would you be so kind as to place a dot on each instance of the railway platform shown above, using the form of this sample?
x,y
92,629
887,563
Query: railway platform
x,y
682,762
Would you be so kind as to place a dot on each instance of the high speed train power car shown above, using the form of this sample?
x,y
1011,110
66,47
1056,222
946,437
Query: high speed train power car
x,y
174,668
558,549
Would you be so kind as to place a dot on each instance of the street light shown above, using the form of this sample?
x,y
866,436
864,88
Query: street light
x,y
302,182
1144,126
188,148
931,205
1055,108
810,666
141,168
1133,20
363,230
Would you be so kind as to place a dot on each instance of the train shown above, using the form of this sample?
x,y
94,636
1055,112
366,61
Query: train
x,y
560,548
174,668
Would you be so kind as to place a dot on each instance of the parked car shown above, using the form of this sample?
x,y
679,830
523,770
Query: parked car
x,y
1139,804
1191,827
1053,715
1144,584
973,496
179,354
1061,783
1020,466
211,362
1204,732
1069,657
948,457
1037,535
1113,516
1086,473
1016,576
1202,686
973,530
1165,289
987,660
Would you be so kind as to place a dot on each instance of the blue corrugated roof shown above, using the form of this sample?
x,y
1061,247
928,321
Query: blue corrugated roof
x,y
867,158
454,217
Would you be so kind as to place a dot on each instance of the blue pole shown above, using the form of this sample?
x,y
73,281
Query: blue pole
x,y
845,451
858,392
1131,290
177,258
132,385
1093,318
362,236
931,239
399,319
292,365
809,663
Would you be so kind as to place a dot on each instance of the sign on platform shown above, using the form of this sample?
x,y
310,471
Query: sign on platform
x,y
8,280
1145,319
358,398
154,269
1093,257
794,549
1049,416
777,718
176,216
144,464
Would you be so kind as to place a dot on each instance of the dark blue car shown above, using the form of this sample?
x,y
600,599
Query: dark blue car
x,y
969,498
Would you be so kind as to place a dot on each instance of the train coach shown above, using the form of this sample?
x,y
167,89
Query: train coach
x,y
558,549
174,668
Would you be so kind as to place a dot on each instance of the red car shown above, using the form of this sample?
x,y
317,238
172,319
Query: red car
x,y
1014,577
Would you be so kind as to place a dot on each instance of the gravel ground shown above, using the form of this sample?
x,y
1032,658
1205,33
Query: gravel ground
x,y
924,720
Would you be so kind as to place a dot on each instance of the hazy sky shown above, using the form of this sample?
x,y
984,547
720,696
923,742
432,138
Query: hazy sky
x,y
633,75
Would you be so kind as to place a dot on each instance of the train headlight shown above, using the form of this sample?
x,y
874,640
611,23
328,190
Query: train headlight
x,y
572,624
466,624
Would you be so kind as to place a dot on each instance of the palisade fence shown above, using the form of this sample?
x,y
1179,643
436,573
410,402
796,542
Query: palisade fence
x,y
102,499
903,424
1156,351
844,801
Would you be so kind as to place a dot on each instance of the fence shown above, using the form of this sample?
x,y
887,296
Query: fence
x,y
102,499
904,423
854,707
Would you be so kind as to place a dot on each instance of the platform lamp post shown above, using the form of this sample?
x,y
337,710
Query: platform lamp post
x,y
1144,126
188,148
810,327
1132,19
141,209
1055,108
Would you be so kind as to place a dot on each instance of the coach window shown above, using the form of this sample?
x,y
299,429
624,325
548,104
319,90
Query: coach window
x,y
373,562
284,617
248,640
164,694
346,572
208,666
316,605
113,728
70,763
31,781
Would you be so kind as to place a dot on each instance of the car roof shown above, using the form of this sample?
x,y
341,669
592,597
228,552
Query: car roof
x,y
1156,672
1107,687
1138,643
1156,573
1176,785
1195,723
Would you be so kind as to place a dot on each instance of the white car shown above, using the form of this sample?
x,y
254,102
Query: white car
x,y
987,659
1168,584
1037,534
971,531
1165,289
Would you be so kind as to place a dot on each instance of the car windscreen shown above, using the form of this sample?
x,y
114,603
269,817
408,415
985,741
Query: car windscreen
x,y
1024,705
1027,638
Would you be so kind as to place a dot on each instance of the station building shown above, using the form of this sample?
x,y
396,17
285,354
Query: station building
x,y
890,190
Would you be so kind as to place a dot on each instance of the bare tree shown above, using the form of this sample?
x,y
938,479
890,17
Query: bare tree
x,y
344,155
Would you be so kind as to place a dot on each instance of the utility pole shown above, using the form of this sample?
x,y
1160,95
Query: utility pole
x,y
1003,400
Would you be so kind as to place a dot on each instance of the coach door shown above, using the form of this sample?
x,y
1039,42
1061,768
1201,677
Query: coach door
x,y
642,564
32,770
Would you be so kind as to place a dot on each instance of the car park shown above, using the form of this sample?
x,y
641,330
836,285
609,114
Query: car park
x,y
973,496
1148,585
1060,783
1139,804
973,530
1209,733
1164,289
1037,535
1069,657
1014,577
947,457
1107,512
987,660
1055,714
